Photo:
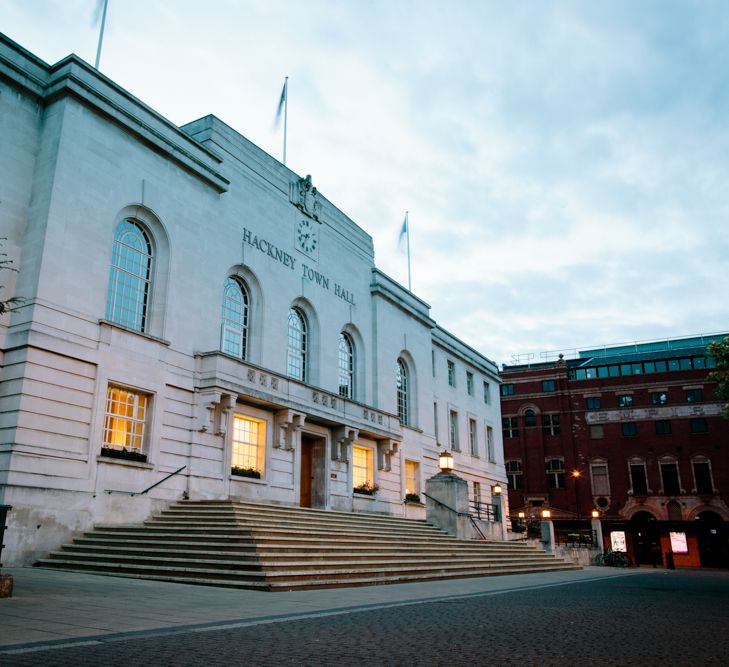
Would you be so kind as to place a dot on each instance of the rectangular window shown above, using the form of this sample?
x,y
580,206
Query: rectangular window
x,y
363,467
432,361
490,444
435,421
550,424
699,425
549,385
638,479
451,373
663,427
600,480
702,478
473,436
125,419
669,475
454,430
486,393
507,389
469,383
661,366
629,429
694,395
412,477
514,474
625,401
249,443
597,432
659,398
510,427
699,362
592,402
555,473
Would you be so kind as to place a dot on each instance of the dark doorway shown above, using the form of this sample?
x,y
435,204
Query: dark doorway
x,y
646,542
713,537
312,482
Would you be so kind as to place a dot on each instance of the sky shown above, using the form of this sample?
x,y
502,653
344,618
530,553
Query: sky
x,y
565,165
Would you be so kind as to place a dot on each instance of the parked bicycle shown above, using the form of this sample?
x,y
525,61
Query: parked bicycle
x,y
613,559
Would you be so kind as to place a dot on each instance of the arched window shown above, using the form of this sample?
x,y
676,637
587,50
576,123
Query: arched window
x,y
296,361
346,366
403,399
130,279
234,338
530,419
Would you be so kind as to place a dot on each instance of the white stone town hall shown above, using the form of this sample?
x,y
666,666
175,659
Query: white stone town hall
x,y
191,303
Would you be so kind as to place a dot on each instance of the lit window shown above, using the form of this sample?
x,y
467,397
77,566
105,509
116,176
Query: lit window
x,y
625,401
451,373
235,318
453,420
346,366
510,427
403,398
469,383
555,473
549,385
514,474
125,419
473,437
486,392
592,402
130,279
363,467
550,424
297,349
490,444
412,477
249,443
659,398
507,389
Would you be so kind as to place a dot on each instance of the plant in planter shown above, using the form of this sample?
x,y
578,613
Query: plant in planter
x,y
412,498
126,454
245,472
366,489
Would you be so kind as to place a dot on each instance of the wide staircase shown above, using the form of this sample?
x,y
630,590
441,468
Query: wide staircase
x,y
271,548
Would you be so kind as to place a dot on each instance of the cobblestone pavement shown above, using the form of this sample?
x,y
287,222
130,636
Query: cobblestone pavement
x,y
674,618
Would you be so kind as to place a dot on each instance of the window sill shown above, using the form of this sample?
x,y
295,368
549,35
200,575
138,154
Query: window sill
x,y
366,496
121,327
125,462
242,478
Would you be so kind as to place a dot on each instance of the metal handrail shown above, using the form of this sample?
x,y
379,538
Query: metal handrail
x,y
490,510
149,488
467,514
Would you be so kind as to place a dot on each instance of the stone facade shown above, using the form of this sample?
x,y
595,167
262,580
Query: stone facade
x,y
83,161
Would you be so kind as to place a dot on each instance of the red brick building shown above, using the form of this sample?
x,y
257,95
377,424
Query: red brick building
x,y
634,432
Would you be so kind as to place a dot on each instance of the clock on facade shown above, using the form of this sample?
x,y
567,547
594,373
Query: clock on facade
x,y
306,236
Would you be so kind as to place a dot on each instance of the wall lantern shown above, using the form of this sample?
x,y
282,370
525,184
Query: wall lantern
x,y
521,515
595,514
445,461
576,474
497,489
546,514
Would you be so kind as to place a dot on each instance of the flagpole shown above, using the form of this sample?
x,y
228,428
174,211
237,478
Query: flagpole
x,y
101,35
407,228
286,115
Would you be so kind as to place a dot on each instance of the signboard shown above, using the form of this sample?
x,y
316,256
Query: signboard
x,y
678,543
617,541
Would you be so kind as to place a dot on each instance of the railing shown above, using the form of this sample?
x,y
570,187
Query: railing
x,y
460,514
149,488
485,511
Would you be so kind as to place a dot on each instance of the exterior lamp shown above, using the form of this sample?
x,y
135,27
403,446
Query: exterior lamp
x,y
521,516
546,514
576,474
595,514
445,461
497,489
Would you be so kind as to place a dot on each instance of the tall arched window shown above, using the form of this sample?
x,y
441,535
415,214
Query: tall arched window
x,y
296,361
403,398
234,338
346,366
130,279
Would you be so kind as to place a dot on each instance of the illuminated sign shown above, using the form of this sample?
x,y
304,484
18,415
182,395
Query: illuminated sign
x,y
678,543
617,540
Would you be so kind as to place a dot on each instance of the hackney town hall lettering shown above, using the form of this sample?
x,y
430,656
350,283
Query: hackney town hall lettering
x,y
281,256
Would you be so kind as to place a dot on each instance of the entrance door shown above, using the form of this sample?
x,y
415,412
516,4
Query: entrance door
x,y
312,480
646,543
